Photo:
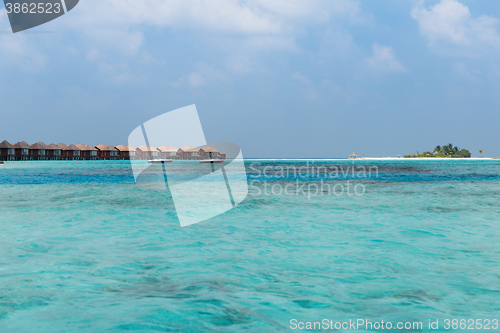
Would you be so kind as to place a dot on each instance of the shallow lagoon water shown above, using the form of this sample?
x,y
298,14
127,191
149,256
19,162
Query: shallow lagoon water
x,y
84,249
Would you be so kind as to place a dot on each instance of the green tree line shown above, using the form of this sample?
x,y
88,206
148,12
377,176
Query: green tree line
x,y
443,152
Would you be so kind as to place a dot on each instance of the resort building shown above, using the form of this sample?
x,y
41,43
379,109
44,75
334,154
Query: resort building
x,y
188,153
71,152
168,152
147,152
22,151
87,151
62,145
53,152
38,151
107,152
127,152
7,151
209,152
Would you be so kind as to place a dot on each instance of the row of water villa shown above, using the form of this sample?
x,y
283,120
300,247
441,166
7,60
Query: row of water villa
x,y
22,151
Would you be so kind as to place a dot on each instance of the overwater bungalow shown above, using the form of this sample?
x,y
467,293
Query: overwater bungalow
x,y
22,151
7,151
107,152
38,151
71,152
147,152
168,152
87,151
127,152
53,152
208,152
188,153
62,145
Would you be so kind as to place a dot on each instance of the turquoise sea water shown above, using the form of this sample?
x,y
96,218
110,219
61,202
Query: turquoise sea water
x,y
83,249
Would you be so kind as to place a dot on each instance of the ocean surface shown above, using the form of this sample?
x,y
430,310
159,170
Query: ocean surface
x,y
84,249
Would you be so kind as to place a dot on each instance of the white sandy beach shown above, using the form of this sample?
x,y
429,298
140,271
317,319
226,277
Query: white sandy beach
x,y
424,158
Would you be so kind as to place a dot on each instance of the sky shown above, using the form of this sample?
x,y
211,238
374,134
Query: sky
x,y
282,79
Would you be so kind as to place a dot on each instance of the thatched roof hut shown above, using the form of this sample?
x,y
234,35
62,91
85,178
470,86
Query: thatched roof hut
x,y
103,147
83,147
71,147
53,147
168,149
21,145
208,149
126,148
62,145
147,148
190,149
38,145
6,145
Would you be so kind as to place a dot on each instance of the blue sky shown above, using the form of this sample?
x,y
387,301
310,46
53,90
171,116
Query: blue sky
x,y
280,79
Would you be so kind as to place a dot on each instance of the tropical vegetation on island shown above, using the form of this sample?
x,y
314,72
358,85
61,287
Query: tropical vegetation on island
x,y
447,151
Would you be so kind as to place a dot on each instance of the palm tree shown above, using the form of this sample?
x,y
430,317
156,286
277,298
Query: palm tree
x,y
446,150
481,152
438,148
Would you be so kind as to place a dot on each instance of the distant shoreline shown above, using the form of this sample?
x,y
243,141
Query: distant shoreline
x,y
378,159
426,158
295,159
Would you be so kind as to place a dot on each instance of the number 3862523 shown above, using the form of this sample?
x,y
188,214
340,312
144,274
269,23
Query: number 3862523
x,y
33,8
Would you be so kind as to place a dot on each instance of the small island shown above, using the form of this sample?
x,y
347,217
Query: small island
x,y
447,151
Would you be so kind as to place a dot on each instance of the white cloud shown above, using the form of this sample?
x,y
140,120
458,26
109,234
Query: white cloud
x,y
312,11
242,54
450,21
241,63
326,87
18,50
222,15
266,24
230,16
93,55
3,15
119,73
240,32
193,80
462,71
301,78
310,90
196,80
203,76
383,60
